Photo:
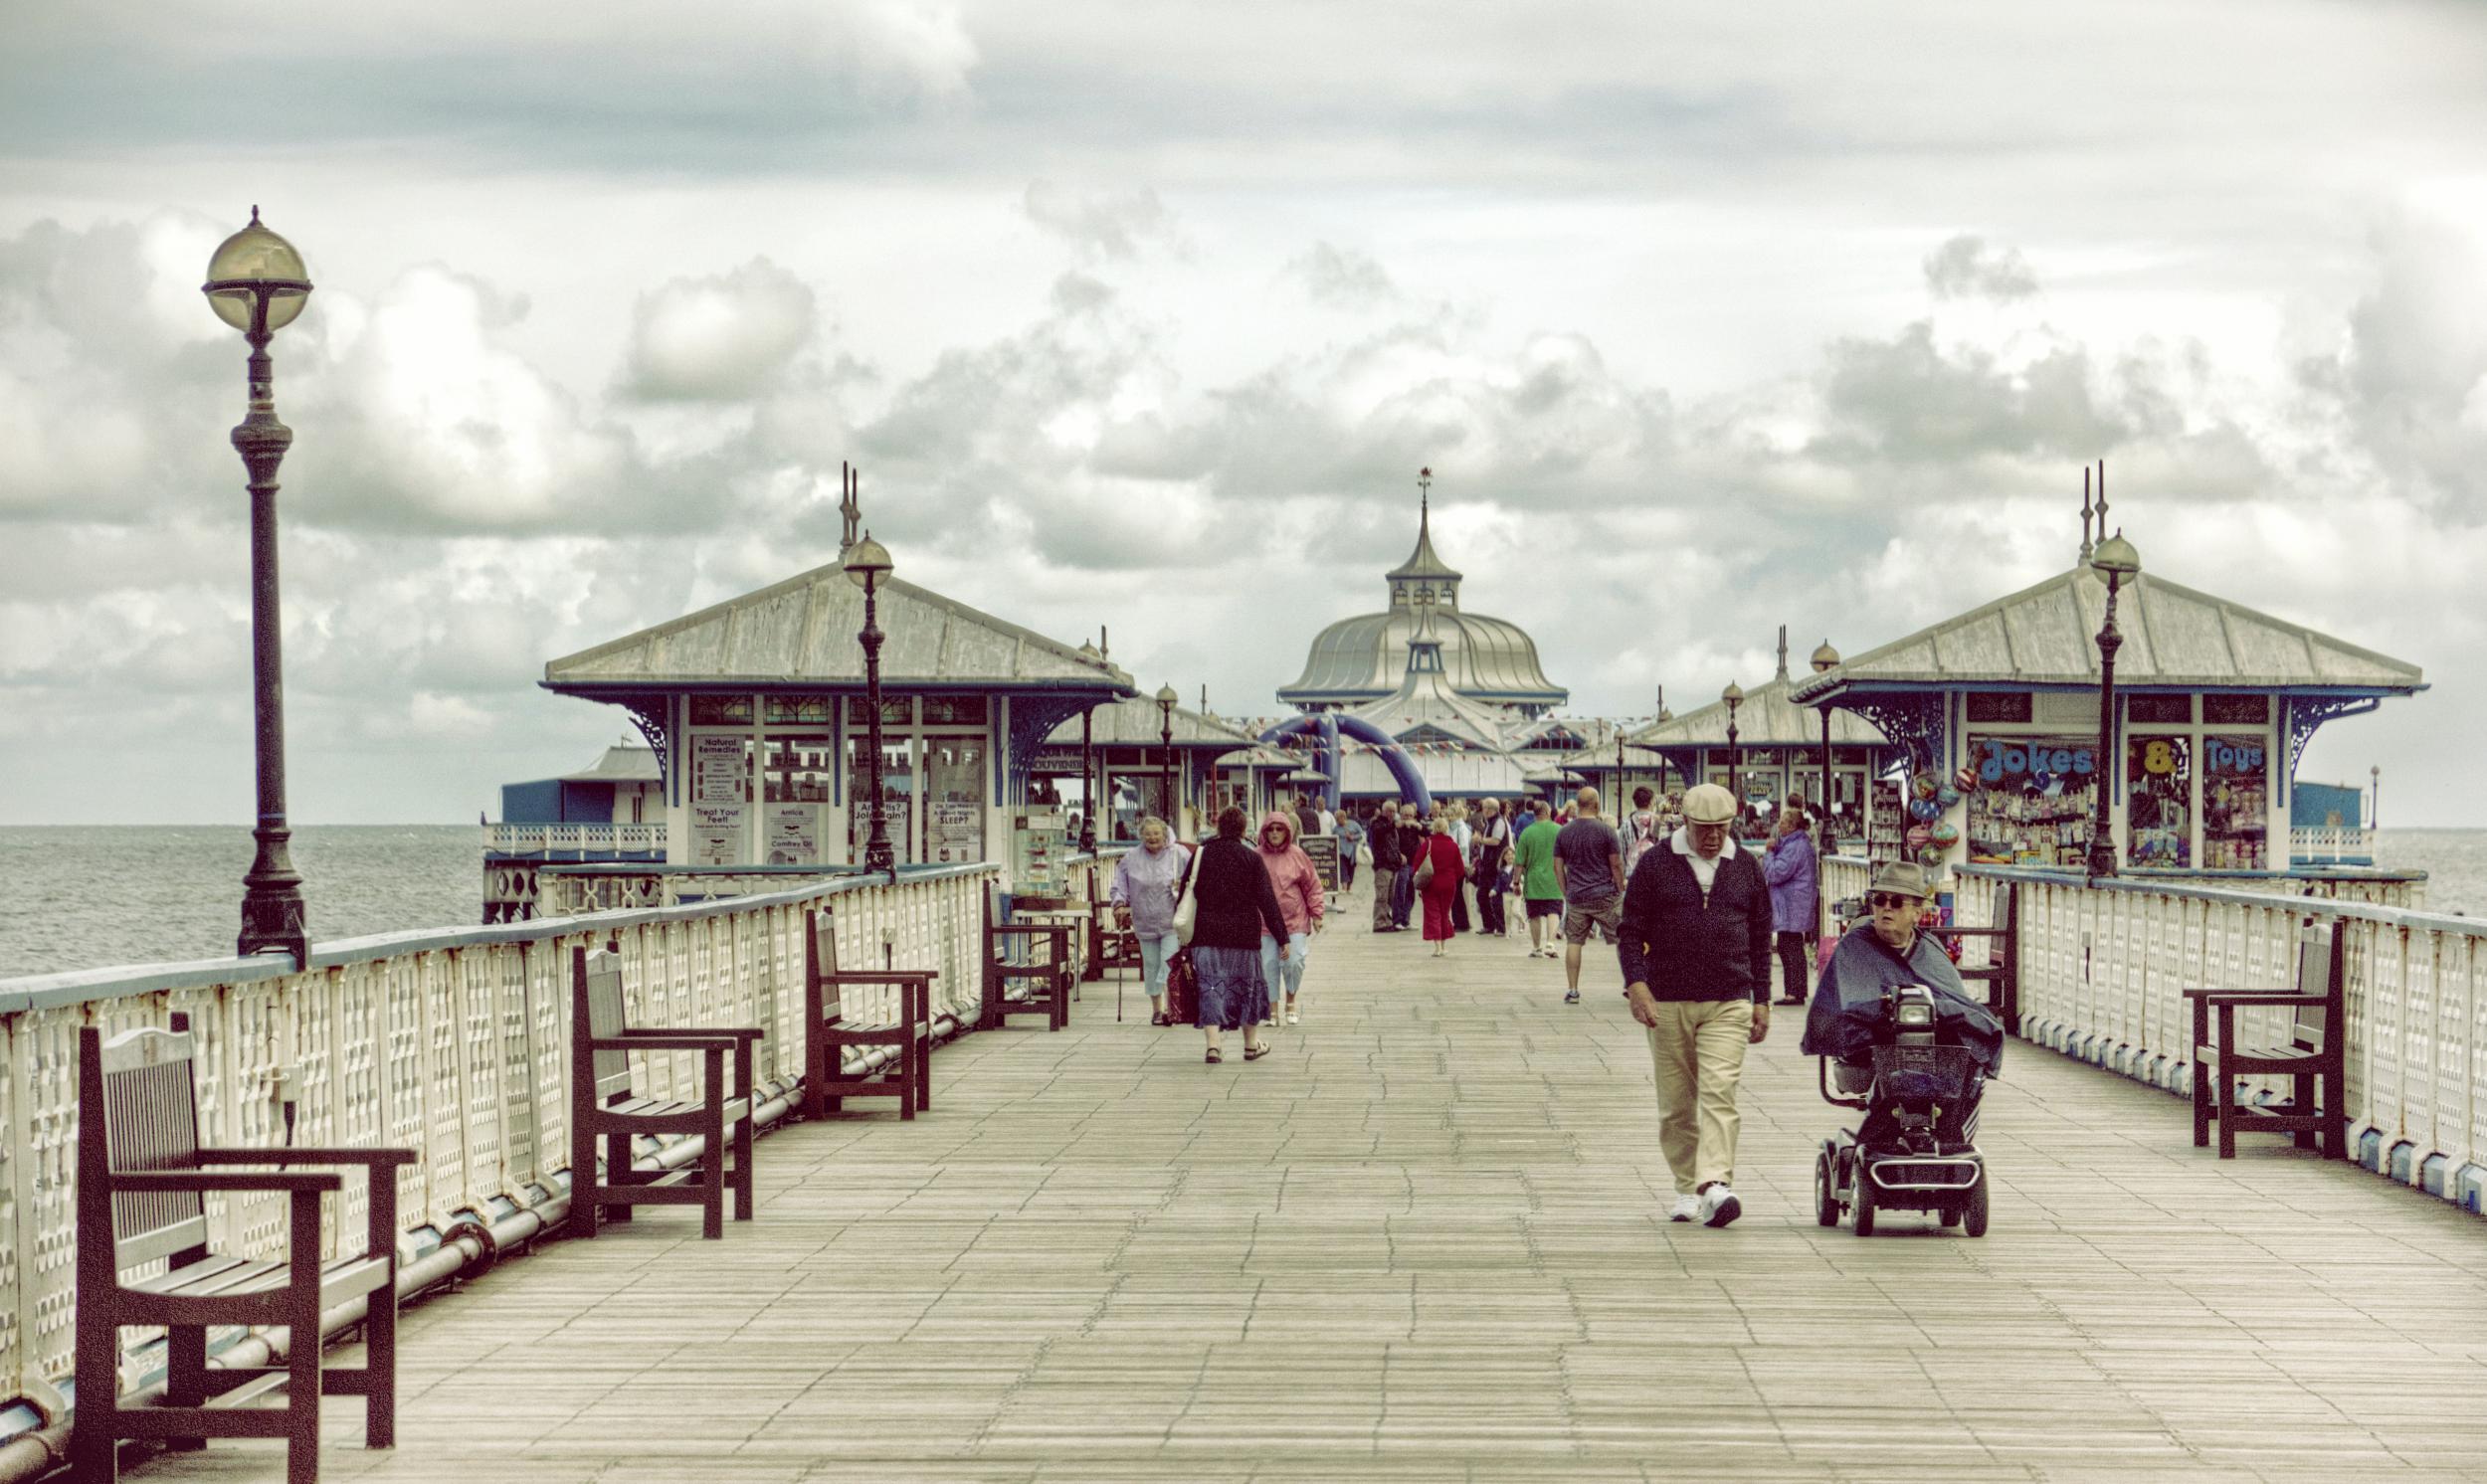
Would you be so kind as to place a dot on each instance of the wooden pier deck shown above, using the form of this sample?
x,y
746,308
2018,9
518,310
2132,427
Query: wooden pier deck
x,y
1426,1239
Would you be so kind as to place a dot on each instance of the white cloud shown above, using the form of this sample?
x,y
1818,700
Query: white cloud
x,y
720,338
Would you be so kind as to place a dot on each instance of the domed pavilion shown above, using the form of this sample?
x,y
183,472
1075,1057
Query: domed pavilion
x,y
1487,660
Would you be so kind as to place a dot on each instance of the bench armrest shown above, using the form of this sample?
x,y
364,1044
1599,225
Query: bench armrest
x,y
309,1155
884,975
2252,996
710,1033
1020,929
654,1041
206,1182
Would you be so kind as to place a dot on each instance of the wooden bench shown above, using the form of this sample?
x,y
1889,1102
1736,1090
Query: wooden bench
x,y
604,1103
828,1033
1072,912
142,1184
2315,1116
1035,954
2002,970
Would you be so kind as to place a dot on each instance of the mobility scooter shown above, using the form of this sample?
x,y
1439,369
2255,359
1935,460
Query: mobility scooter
x,y
1915,1148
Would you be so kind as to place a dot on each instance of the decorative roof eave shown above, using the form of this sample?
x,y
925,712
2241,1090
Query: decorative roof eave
x,y
1768,717
798,634
2177,639
1138,722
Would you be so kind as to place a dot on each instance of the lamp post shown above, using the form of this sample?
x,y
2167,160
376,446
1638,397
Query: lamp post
x,y
1166,700
868,563
1733,695
2375,808
1087,790
2115,559
255,282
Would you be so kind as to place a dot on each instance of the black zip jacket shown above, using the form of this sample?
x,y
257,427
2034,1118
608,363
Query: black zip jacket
x,y
1237,901
1384,838
1687,947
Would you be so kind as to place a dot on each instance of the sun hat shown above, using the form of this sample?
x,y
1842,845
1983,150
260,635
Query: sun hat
x,y
1708,803
1901,879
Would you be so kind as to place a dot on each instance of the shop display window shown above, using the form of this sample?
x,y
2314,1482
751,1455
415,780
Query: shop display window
x,y
2237,711
2237,800
1999,706
2158,795
799,711
895,710
2156,710
2035,802
954,799
797,769
954,711
720,710
898,779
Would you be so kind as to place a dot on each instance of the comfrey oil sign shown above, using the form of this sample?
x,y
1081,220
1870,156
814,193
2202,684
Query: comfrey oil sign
x,y
2036,761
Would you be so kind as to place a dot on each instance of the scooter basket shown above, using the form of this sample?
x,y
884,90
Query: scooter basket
x,y
1922,1074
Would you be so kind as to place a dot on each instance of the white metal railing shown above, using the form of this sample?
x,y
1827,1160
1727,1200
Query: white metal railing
x,y
2345,844
575,839
453,1043
2103,965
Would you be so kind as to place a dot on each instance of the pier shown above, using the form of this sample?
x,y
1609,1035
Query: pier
x,y
1425,1239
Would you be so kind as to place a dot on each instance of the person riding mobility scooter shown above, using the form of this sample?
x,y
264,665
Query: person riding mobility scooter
x,y
1901,1042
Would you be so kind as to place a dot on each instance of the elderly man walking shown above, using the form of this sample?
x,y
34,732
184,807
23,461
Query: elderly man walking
x,y
1696,951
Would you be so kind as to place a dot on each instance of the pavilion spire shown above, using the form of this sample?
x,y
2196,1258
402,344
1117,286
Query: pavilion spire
x,y
850,506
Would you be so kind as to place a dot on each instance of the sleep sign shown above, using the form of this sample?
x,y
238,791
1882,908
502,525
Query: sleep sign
x,y
2038,760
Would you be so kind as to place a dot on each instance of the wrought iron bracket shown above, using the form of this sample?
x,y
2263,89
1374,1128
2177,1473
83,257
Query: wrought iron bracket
x,y
1912,719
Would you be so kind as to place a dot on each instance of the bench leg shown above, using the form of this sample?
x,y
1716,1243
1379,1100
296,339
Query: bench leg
x,y
742,1169
302,1356
921,1049
380,1369
2334,1111
185,1377
2302,1091
2202,1071
617,1175
712,1208
2227,1085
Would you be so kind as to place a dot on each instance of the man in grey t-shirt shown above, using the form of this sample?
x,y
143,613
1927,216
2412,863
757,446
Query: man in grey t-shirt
x,y
1589,861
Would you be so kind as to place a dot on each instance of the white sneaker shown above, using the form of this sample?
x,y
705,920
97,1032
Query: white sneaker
x,y
1687,1208
1719,1205
1294,1018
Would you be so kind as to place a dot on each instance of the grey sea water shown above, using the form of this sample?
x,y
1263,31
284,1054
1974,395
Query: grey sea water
x,y
86,896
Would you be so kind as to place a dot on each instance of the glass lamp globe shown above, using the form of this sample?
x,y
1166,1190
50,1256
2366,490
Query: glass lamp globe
x,y
1733,695
251,264
2116,557
867,562
1166,696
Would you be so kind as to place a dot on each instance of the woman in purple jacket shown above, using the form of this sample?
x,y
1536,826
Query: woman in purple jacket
x,y
1789,869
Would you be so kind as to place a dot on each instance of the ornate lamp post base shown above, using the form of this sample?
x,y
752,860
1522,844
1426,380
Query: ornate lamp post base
x,y
273,918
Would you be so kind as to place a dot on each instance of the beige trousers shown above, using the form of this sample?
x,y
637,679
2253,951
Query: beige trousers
x,y
1697,1049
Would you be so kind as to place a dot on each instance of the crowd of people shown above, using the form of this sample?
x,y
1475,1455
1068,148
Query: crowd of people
x,y
1696,920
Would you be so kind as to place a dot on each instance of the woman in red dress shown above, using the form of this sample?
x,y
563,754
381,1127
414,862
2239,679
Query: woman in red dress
x,y
1442,888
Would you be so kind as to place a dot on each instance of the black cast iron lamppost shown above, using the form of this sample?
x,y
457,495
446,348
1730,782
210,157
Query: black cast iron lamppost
x,y
868,564
2115,559
1733,695
1166,700
255,282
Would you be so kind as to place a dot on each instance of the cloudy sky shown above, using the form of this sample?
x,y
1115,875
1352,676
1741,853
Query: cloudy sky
x,y
1146,316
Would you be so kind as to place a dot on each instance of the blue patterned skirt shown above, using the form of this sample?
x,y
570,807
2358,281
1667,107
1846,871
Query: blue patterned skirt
x,y
1233,993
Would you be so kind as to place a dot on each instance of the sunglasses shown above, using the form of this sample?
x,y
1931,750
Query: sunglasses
x,y
1882,900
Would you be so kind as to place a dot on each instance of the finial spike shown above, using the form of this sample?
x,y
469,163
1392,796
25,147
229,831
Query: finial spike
x,y
850,507
2086,514
254,213
2102,497
1783,651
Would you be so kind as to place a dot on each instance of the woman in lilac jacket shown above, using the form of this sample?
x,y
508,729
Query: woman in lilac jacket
x,y
1789,869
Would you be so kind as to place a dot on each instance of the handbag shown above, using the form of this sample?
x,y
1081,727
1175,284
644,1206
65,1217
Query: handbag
x,y
1187,901
1424,872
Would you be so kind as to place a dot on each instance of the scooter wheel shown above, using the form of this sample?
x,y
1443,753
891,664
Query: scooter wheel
x,y
1951,1214
1864,1200
1974,1213
1825,1190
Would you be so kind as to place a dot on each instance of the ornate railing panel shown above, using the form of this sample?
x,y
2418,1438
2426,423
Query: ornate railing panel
x,y
454,1044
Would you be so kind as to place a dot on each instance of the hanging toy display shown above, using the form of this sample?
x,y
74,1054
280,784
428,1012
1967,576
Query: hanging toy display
x,y
1946,797
1919,836
1943,834
1924,811
1924,784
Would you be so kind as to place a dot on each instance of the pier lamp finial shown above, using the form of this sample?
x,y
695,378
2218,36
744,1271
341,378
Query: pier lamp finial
x,y
850,508
2085,514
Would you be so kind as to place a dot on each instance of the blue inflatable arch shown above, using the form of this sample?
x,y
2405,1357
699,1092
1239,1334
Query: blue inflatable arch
x,y
1326,727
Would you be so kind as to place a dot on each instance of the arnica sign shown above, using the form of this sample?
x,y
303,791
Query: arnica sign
x,y
2008,760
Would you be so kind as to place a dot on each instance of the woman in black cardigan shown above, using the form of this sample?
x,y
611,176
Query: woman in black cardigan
x,y
1236,903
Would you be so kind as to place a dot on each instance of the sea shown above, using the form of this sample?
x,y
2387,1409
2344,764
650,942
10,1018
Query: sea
x,y
92,897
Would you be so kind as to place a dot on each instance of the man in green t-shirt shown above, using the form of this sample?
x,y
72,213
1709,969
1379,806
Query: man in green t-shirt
x,y
1540,887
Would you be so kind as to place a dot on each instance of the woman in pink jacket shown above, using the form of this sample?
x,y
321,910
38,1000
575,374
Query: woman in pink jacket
x,y
1298,886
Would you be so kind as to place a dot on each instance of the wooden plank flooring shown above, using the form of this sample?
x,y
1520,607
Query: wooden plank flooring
x,y
1427,1239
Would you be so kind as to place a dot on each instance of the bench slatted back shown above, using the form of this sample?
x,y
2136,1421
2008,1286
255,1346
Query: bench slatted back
x,y
2318,949
150,1121
820,948
600,987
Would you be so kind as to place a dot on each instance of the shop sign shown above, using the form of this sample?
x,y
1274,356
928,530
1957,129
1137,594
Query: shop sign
x,y
716,768
2235,759
716,834
794,834
2039,761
